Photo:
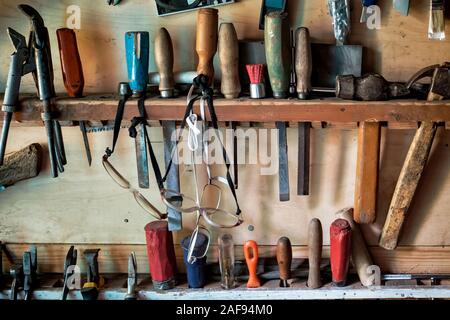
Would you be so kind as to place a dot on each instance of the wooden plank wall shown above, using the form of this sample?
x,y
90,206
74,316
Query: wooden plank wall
x,y
84,207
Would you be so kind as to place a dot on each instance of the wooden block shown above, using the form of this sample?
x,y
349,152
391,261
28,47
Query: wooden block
x,y
408,180
403,125
367,172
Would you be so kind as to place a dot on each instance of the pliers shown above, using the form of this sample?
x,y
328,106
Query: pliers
x,y
71,261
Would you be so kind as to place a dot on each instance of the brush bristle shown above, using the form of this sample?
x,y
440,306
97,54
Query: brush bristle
x,y
255,72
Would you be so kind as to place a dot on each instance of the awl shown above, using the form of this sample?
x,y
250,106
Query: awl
x,y
72,72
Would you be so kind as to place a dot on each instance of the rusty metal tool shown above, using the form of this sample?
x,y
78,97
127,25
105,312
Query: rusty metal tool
x,y
164,63
416,157
276,35
16,272
303,70
69,264
40,51
72,72
132,277
284,259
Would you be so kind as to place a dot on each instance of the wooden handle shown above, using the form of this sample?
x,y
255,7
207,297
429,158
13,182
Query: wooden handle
x,y
314,253
164,62
251,258
284,257
71,67
229,61
340,250
206,44
278,55
367,172
407,183
360,254
303,62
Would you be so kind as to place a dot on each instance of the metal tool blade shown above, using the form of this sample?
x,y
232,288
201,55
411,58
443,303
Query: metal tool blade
x,y
173,179
283,168
86,142
142,157
402,6
304,129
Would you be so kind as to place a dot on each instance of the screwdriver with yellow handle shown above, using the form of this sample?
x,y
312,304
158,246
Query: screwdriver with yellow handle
x,y
72,72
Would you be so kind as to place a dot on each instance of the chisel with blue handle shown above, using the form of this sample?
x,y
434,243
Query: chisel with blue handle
x,y
137,52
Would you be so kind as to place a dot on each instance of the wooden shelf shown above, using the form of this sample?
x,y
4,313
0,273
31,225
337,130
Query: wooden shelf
x,y
115,289
103,107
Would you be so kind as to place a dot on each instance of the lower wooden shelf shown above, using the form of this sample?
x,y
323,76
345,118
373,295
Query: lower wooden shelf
x,y
116,290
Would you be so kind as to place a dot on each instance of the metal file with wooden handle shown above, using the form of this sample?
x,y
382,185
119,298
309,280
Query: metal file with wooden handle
x,y
284,259
72,72
303,70
416,158
276,40
164,63
206,41
228,48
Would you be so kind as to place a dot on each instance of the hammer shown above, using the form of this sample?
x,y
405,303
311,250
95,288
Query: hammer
x,y
416,158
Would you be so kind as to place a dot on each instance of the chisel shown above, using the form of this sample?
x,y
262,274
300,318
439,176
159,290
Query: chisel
x,y
228,48
284,259
72,72
137,51
164,63
276,36
303,70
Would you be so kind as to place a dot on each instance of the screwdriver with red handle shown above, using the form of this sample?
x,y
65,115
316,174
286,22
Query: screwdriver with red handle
x,y
72,72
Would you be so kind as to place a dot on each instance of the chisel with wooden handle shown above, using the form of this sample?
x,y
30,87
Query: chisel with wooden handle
x,y
284,259
276,40
72,72
164,63
315,243
228,48
137,53
251,258
416,158
303,70
206,41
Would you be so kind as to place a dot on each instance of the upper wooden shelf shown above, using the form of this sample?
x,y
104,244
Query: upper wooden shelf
x,y
103,107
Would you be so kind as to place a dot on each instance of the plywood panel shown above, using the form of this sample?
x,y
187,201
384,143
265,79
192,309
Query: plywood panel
x,y
85,206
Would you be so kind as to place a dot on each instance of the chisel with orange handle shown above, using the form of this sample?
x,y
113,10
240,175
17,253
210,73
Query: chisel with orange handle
x,y
72,72
284,259
251,258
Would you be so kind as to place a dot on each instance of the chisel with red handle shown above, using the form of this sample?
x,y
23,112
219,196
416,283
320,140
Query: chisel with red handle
x,y
340,250
72,72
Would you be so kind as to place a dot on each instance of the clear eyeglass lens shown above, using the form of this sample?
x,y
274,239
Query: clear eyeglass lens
x,y
221,218
179,201
115,175
147,206
211,196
